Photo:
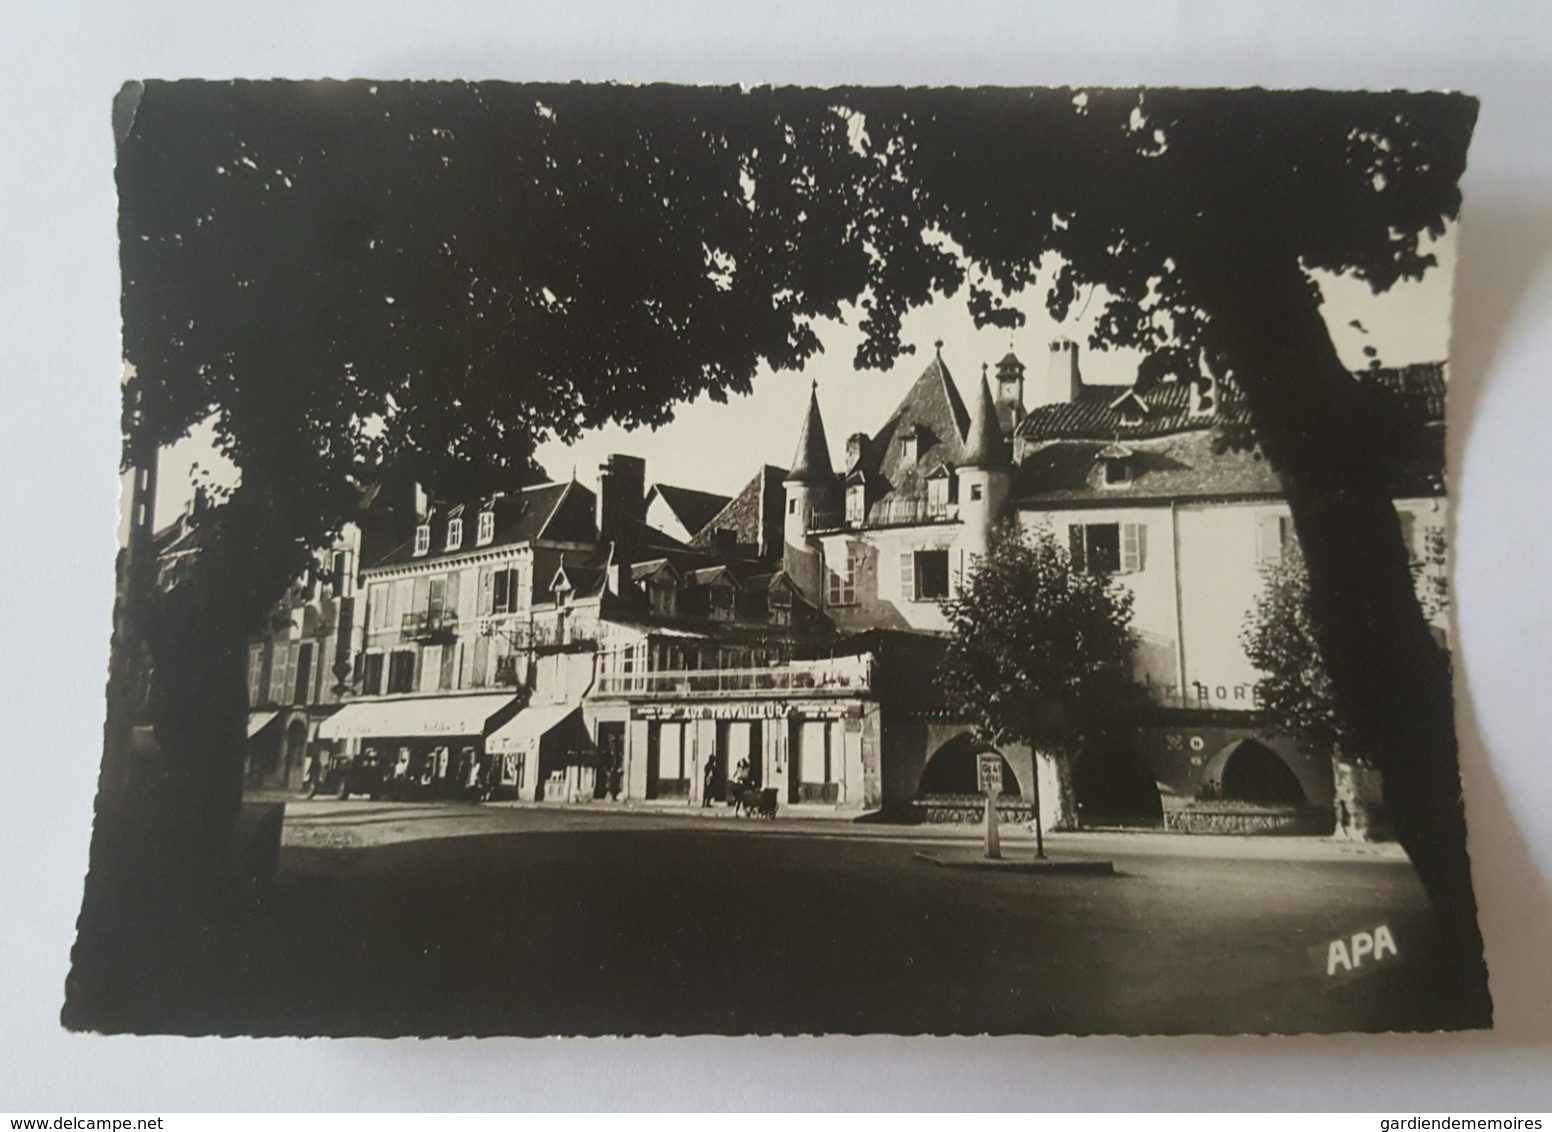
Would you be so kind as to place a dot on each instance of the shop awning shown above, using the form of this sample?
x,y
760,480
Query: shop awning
x,y
422,717
259,720
524,730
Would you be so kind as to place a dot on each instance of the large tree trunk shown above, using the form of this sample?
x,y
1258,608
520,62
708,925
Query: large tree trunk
x,y
154,901
1392,680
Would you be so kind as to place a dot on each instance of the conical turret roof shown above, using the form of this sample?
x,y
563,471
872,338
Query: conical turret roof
x,y
985,446
811,464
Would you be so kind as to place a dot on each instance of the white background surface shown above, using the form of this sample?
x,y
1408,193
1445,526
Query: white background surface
x,y
59,67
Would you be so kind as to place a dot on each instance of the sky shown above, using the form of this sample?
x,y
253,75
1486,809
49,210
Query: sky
x,y
719,447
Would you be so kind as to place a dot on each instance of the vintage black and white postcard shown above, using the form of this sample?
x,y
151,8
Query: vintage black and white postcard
x,y
607,559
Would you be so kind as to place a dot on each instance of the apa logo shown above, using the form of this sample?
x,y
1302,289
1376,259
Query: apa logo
x,y
1357,954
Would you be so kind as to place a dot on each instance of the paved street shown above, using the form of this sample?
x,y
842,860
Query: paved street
x,y
459,919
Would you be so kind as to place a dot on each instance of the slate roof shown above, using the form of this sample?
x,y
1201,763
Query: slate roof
x,y
754,515
561,512
985,445
694,509
1183,466
1098,409
811,462
933,409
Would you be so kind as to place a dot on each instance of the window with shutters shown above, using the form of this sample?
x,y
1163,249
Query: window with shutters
x,y
841,587
924,575
401,672
722,601
1274,535
856,503
430,667
372,674
1108,548
380,606
302,688
1134,547
487,529
479,674
255,675
448,677
282,671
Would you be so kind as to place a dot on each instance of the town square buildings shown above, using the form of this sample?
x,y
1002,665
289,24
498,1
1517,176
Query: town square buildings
x,y
650,644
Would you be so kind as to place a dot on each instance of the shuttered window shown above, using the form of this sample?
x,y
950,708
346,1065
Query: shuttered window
x,y
908,577
1274,534
1134,547
1108,548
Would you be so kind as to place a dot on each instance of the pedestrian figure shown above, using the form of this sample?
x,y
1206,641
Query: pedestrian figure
x,y
711,781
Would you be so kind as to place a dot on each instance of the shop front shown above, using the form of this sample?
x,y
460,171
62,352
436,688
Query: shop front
x,y
811,752
425,746
545,754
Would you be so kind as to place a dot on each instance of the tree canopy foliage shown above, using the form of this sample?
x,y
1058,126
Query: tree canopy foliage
x,y
1041,650
437,277
1294,689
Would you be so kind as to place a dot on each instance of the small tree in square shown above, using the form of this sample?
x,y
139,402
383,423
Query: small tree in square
x,y
1041,654
1295,690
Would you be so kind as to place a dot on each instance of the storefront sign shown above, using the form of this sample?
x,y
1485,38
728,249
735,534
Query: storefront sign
x,y
754,709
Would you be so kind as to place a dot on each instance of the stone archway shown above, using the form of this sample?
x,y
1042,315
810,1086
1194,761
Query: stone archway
x,y
1115,787
951,770
1249,771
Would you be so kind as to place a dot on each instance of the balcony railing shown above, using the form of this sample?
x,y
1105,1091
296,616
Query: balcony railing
x,y
839,676
427,624
887,513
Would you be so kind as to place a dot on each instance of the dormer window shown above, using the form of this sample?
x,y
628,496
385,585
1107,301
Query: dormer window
x,y
454,534
423,538
856,504
1116,465
941,493
663,595
487,529
909,446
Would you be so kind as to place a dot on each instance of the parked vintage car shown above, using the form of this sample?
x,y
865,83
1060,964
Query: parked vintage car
x,y
363,773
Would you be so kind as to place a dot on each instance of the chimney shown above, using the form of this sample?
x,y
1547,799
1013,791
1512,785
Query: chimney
x,y
422,502
854,446
622,495
200,503
1063,381
724,542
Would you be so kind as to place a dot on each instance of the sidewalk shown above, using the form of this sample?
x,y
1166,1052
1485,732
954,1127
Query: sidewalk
x,y
435,819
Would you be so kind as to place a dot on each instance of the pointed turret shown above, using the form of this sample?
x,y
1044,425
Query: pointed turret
x,y
811,464
985,478
811,488
985,446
